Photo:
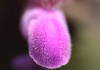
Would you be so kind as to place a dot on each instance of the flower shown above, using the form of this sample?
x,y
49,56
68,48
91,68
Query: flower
x,y
48,37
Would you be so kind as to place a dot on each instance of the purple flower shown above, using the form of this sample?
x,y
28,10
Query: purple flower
x,y
23,62
48,37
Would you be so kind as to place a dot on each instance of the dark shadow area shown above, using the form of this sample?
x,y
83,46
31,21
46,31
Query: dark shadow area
x,y
12,42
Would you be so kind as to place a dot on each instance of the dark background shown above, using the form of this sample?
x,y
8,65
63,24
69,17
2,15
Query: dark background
x,y
11,41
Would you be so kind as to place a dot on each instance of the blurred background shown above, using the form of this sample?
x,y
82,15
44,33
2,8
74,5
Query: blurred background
x,y
83,19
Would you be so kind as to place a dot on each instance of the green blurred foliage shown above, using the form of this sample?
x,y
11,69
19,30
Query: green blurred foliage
x,y
86,47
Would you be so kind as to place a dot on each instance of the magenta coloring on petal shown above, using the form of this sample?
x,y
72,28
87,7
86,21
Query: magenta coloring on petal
x,y
48,38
